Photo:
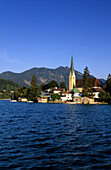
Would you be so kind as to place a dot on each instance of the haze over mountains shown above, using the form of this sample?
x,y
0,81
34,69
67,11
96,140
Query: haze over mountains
x,y
43,75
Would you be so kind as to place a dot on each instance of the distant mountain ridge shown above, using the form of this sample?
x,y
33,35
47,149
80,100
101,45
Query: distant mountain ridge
x,y
43,75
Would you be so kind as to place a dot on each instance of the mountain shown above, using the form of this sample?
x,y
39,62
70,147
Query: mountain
x,y
102,81
43,75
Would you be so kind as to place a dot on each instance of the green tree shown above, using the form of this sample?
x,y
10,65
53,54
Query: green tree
x,y
8,86
33,88
105,97
55,96
39,90
87,83
63,85
21,92
53,83
107,86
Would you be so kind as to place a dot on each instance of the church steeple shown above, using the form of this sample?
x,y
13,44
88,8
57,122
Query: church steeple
x,y
72,77
72,67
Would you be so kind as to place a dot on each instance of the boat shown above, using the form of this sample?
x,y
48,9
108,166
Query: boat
x,y
70,102
13,100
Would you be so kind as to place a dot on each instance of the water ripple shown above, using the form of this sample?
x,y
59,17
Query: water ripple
x,y
54,136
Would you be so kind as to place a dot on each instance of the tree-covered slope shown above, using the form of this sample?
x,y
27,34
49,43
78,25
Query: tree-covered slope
x,y
6,88
43,75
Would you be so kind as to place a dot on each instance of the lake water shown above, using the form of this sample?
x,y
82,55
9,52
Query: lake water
x,y
54,136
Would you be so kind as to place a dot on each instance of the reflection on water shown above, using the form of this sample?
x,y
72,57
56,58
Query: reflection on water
x,y
58,136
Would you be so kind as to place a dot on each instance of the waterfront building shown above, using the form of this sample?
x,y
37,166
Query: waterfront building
x,y
21,99
43,99
66,96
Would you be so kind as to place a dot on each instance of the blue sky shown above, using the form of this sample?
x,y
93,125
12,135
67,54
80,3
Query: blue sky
x,y
45,33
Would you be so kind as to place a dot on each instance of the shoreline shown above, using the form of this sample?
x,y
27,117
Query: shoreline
x,y
70,103
5,99
57,102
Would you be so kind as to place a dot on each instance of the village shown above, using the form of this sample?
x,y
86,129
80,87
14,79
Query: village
x,y
74,95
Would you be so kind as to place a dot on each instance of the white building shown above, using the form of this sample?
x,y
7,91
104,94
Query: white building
x,y
66,96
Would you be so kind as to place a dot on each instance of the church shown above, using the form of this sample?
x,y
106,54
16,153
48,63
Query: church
x,y
75,85
72,81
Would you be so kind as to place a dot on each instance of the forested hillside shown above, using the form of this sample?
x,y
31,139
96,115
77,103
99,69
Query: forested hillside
x,y
6,88
43,75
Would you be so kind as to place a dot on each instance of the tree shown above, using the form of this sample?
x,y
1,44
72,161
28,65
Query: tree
x,y
107,86
33,88
87,83
39,90
63,85
45,87
105,97
53,83
21,92
55,96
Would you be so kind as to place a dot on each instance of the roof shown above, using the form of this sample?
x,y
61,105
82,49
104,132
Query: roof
x,y
75,90
95,82
54,89
66,92
58,89
44,96
98,90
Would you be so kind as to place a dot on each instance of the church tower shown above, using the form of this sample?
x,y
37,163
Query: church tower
x,y
72,77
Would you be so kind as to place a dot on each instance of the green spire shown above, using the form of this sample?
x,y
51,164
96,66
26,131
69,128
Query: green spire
x,y
72,67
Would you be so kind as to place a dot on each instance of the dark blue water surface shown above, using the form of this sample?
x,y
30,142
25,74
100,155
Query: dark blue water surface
x,y
54,136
